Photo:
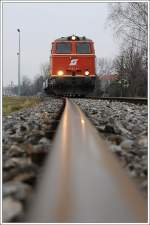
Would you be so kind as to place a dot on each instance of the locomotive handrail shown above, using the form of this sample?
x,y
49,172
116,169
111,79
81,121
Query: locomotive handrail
x,y
82,180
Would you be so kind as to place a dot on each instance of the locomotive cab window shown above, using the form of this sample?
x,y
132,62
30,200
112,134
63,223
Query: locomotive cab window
x,y
63,48
83,48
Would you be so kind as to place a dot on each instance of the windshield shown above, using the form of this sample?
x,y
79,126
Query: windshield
x,y
83,48
63,47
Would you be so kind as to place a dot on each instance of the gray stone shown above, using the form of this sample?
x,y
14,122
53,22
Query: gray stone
x,y
144,185
24,127
8,125
16,162
16,151
44,141
11,209
127,144
9,117
19,169
143,140
94,111
17,137
115,139
116,148
38,153
34,137
18,190
109,128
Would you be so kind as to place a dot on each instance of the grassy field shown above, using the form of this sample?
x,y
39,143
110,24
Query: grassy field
x,y
15,103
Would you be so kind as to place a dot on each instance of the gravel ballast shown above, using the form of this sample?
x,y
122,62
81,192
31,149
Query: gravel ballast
x,y
27,138
124,126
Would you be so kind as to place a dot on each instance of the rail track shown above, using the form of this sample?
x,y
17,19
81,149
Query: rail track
x,y
135,100
124,99
82,181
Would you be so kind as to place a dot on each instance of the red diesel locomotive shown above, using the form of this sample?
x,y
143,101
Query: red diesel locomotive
x,y
72,66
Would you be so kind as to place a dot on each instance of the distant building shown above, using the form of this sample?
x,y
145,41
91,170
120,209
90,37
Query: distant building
x,y
109,77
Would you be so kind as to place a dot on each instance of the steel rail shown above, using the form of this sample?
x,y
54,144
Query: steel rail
x,y
83,181
124,99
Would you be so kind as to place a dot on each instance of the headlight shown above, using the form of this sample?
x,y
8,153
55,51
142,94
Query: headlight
x,y
73,37
60,73
87,72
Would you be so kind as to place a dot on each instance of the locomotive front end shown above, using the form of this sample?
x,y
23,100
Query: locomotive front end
x,y
72,66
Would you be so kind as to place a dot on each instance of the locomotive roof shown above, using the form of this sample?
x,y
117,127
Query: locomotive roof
x,y
69,38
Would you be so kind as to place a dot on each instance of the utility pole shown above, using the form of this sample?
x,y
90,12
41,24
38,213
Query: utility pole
x,y
19,56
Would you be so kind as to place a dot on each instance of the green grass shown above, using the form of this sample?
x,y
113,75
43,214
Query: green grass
x,y
15,103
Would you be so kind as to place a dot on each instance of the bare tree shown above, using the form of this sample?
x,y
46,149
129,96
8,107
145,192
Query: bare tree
x,y
45,70
37,84
130,21
26,87
133,73
103,66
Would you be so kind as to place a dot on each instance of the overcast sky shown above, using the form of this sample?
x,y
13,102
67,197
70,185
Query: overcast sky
x,y
41,23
